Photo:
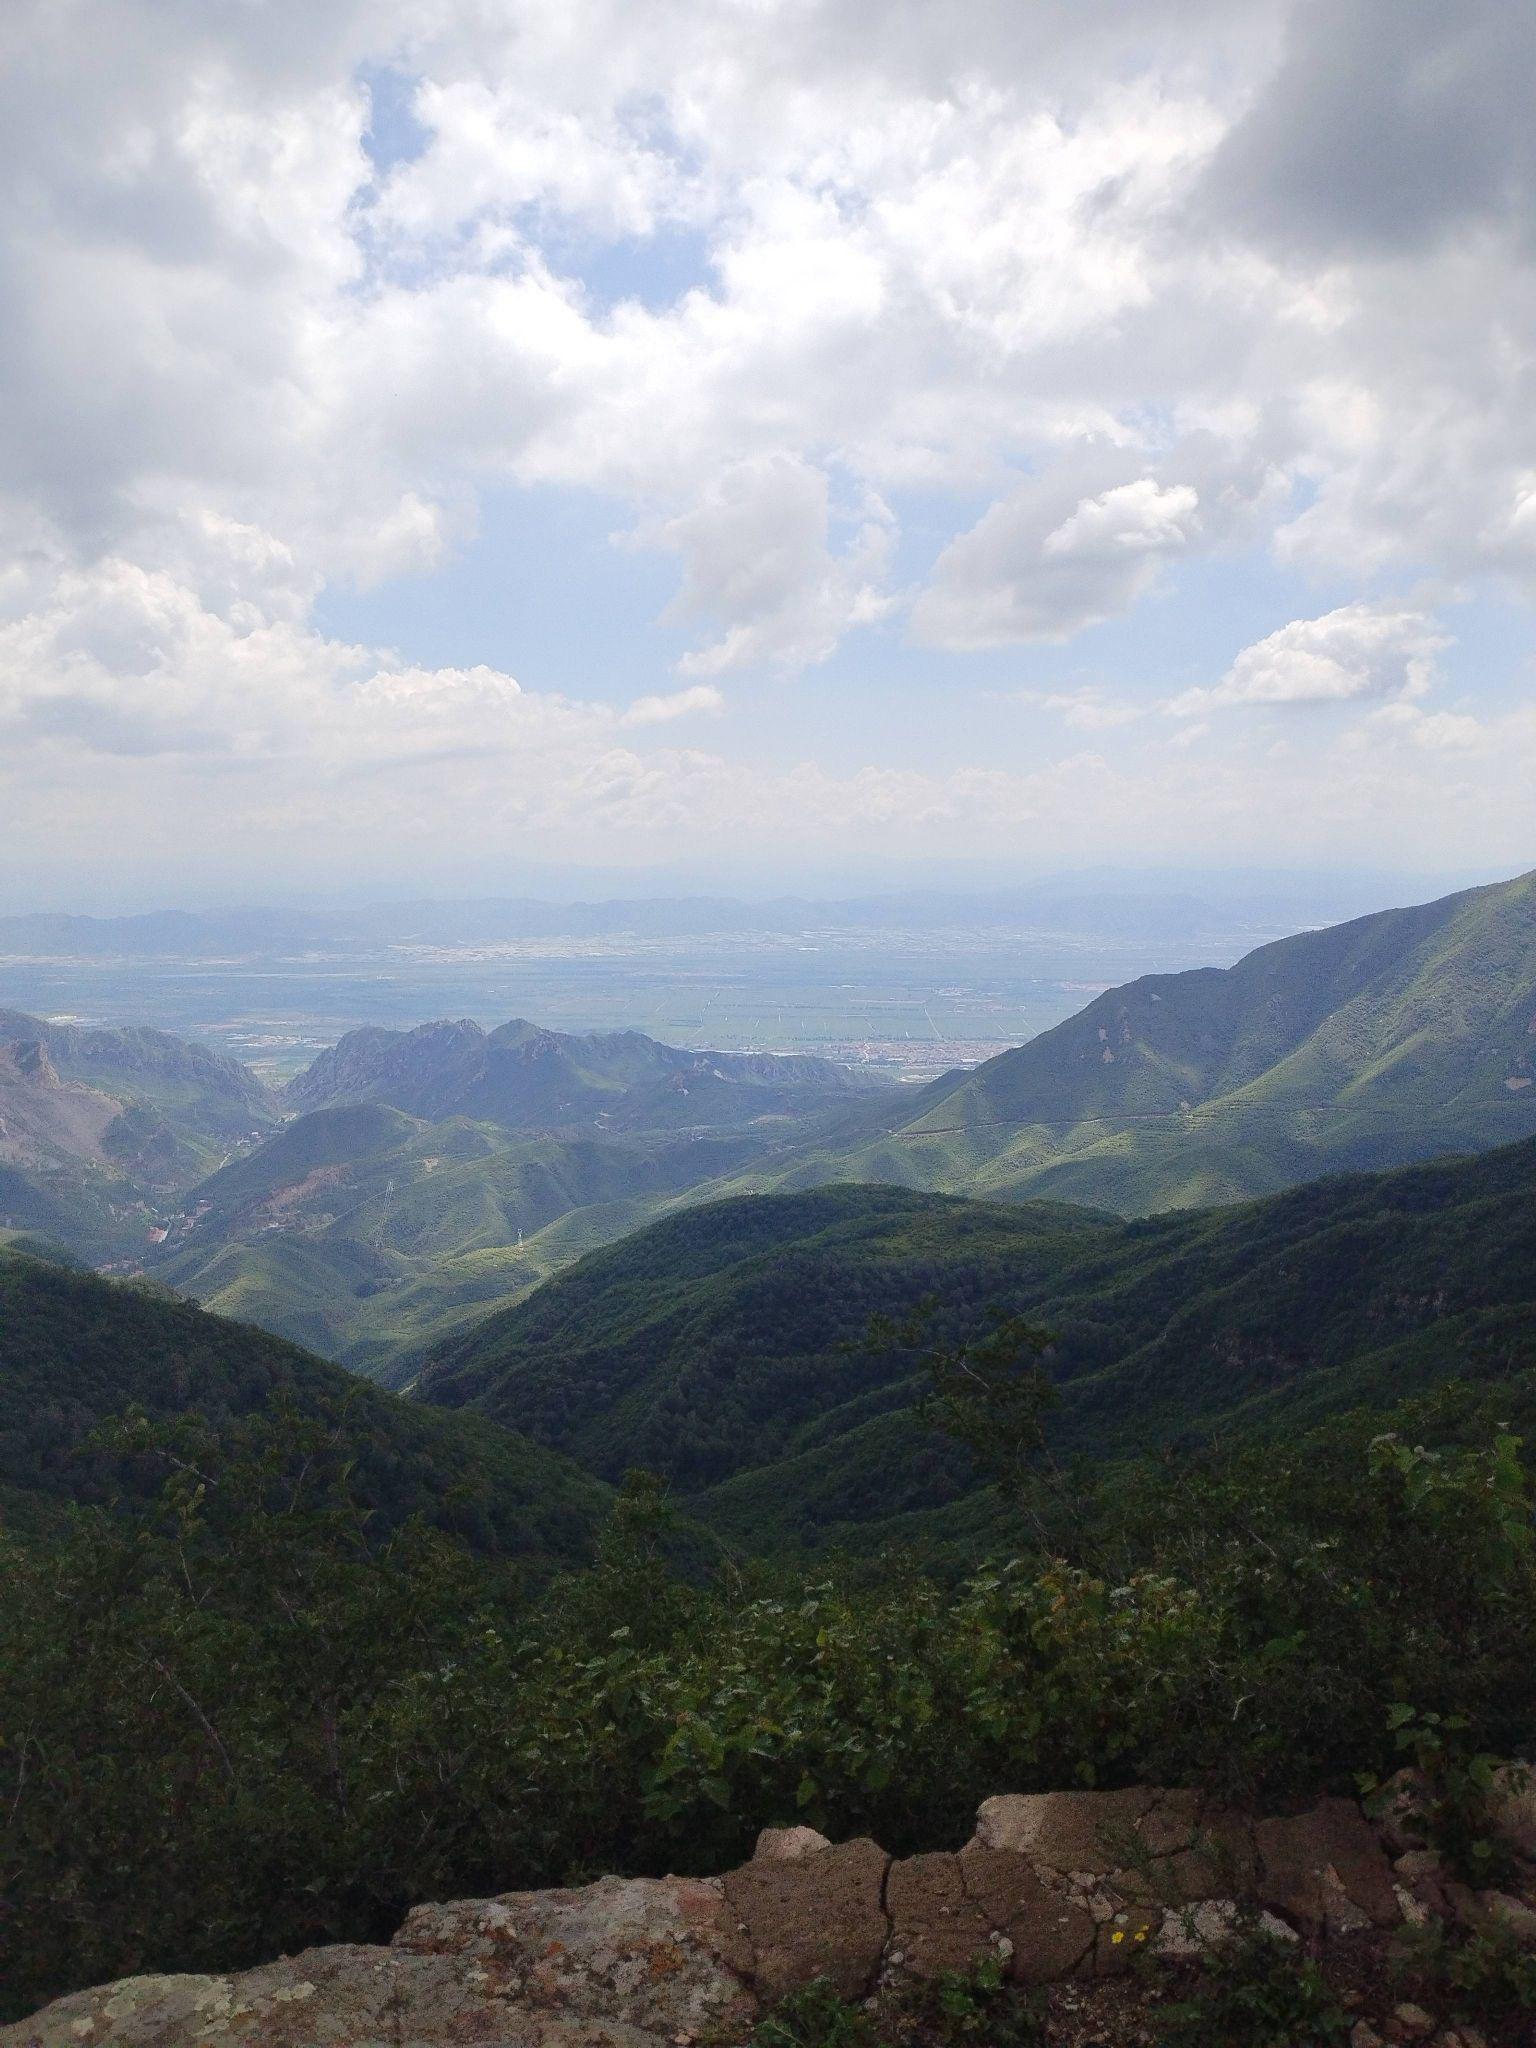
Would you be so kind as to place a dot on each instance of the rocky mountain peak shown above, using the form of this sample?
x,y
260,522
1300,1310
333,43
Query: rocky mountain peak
x,y
28,1059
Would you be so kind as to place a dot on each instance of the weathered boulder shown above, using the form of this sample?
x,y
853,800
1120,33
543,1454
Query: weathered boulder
x,y
1494,1910
788,1845
1512,1808
1399,1810
343,1997
663,1954
626,1962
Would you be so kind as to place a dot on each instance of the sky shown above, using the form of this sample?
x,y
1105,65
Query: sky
x,y
768,441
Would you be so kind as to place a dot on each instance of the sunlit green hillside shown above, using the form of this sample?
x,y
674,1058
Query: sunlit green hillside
x,y
1372,1043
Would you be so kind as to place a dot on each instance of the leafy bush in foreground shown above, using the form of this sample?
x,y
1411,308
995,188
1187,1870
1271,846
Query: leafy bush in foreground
x,y
245,1718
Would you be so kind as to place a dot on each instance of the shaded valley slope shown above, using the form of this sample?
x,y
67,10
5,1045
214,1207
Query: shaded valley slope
x,y
75,1350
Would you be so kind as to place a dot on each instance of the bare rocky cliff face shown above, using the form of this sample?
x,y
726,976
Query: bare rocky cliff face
x,y
129,1102
1063,1889
140,1063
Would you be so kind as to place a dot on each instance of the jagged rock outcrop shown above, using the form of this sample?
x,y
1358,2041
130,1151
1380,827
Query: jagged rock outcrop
x,y
1054,1885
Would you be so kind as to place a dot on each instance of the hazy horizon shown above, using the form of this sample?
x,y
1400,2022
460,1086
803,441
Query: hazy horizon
x,y
915,982
1361,888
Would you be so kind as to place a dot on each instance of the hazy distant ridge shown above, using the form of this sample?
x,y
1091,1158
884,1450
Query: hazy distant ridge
x,y
524,1077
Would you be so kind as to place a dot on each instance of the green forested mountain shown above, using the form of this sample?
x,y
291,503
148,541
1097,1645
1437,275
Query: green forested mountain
x,y
441,1172
75,1350
721,1345
526,1078
362,1231
1390,1038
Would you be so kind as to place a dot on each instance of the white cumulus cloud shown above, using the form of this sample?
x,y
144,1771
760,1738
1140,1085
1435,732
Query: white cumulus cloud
x,y
1360,650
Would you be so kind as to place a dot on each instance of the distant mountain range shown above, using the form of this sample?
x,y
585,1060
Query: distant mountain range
x,y
721,1346
410,1181
1382,1040
1109,905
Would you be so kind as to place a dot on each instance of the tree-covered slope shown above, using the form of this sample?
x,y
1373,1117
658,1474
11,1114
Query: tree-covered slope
x,y
75,1349
721,1345
439,1173
709,1342
1373,1043
363,1232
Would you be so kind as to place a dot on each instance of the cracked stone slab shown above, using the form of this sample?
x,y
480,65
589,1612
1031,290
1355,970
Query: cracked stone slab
x,y
1057,1885
1220,1860
1052,1933
818,1916
935,1925
1065,1831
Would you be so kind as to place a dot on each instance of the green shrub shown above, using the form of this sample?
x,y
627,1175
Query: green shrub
x,y
960,2009
1483,1977
816,2017
973,2009
1260,1991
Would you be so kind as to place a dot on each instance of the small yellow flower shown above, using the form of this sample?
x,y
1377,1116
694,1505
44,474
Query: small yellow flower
x,y
1117,1935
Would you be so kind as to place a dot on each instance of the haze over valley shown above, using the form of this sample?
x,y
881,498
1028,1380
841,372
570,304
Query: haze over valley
x,y
917,982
